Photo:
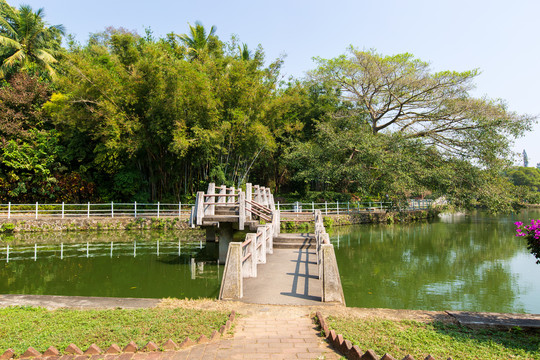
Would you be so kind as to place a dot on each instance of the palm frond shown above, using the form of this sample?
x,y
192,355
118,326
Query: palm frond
x,y
7,16
5,41
45,56
11,61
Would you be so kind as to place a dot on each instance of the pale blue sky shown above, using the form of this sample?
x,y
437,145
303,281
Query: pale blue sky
x,y
501,38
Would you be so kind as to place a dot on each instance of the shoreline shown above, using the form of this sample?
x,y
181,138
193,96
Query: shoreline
x,y
289,221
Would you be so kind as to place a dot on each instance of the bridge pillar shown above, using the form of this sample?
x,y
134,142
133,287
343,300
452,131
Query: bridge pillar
x,y
225,238
210,234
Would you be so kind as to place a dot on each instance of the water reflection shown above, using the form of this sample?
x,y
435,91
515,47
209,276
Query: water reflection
x,y
116,268
461,263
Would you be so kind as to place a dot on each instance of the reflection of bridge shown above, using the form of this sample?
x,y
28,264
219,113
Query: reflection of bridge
x,y
266,266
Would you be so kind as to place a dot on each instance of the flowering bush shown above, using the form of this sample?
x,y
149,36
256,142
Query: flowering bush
x,y
532,234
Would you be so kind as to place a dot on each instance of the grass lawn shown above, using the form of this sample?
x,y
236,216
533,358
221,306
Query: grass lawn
x,y
40,328
441,340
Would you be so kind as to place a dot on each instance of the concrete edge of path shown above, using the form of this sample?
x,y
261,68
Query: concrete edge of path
x,y
496,320
78,302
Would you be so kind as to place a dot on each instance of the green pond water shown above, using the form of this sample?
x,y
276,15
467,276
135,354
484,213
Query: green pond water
x,y
114,264
471,262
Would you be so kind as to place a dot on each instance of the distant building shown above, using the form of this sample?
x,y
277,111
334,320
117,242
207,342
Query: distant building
x,y
525,159
538,166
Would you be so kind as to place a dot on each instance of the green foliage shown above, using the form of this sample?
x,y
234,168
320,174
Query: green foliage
x,y
527,180
328,222
7,228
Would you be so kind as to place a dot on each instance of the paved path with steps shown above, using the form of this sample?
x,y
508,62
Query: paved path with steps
x,y
266,336
289,277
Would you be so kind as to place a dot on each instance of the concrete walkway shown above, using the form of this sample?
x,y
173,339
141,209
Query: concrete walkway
x,y
289,277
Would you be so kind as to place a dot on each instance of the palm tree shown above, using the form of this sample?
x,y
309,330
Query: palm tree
x,y
26,40
198,42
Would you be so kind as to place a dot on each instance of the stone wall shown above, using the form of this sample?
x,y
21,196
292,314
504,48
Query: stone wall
x,y
291,220
95,223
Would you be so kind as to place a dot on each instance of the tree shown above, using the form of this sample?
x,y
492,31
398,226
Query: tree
x,y
27,42
400,94
198,42
21,99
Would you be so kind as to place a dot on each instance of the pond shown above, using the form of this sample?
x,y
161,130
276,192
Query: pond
x,y
471,262
147,264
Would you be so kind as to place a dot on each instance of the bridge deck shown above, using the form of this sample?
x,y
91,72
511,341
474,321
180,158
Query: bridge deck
x,y
289,277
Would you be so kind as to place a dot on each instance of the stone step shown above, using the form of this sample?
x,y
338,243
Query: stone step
x,y
294,240
226,212
293,246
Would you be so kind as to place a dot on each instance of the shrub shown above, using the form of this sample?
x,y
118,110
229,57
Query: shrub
x,y
532,235
7,228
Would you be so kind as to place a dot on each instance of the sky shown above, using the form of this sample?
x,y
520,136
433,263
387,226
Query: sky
x,y
500,38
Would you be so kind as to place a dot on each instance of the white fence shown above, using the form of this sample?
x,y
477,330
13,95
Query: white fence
x,y
350,207
88,210
179,210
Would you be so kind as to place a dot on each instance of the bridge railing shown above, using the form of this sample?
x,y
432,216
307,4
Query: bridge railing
x,y
255,201
332,290
243,258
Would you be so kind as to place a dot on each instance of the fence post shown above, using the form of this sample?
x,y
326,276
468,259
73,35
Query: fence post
x,y
348,208
9,210
88,211
158,209
212,199
112,209
381,205
62,209
325,207
230,199
278,205
135,209
179,210
337,205
249,199
241,209
36,210
199,206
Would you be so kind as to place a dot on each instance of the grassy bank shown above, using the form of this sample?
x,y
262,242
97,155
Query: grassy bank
x,y
441,340
40,328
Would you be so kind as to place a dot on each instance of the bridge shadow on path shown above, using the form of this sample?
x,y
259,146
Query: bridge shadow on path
x,y
290,277
305,262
